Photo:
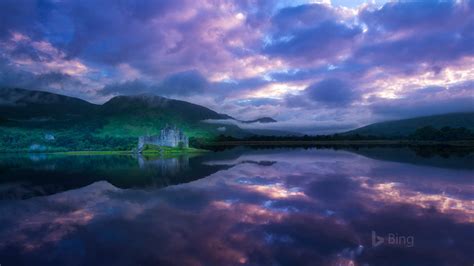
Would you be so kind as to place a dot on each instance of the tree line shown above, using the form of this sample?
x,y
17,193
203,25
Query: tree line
x,y
427,133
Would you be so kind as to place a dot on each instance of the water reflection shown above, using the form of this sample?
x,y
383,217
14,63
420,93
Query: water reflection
x,y
31,175
442,157
263,207
165,166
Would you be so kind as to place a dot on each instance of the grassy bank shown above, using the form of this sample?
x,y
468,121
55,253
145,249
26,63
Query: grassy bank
x,y
165,151
92,152
151,149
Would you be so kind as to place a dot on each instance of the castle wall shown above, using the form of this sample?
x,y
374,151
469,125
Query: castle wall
x,y
169,137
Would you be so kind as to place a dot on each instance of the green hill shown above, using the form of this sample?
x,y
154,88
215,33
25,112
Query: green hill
x,y
133,116
406,127
43,121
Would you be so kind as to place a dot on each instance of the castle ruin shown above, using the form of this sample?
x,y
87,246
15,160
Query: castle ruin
x,y
169,137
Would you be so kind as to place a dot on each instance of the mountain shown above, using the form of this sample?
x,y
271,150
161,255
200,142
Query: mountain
x,y
406,127
34,118
148,102
20,104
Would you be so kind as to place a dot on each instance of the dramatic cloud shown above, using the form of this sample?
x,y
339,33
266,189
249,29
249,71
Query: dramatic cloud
x,y
184,83
309,33
300,61
320,42
11,77
409,15
404,34
333,92
179,84
427,101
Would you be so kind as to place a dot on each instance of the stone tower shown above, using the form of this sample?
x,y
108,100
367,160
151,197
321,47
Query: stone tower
x,y
170,136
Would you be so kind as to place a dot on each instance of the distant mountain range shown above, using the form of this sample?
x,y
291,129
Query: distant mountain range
x,y
405,127
21,104
26,104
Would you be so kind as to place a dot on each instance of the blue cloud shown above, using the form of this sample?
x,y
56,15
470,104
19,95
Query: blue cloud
x,y
433,32
322,41
394,16
427,101
331,92
184,83
178,84
301,16
159,40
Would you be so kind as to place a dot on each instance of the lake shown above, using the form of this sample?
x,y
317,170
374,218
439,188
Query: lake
x,y
240,206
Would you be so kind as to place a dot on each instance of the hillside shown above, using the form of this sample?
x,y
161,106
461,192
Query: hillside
x,y
20,104
37,120
137,115
406,127
144,103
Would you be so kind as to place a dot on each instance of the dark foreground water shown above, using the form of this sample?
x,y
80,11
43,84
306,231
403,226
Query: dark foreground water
x,y
239,207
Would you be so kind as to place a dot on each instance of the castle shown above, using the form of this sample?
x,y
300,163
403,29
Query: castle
x,y
169,136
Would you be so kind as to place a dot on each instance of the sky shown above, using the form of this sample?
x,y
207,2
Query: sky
x,y
315,66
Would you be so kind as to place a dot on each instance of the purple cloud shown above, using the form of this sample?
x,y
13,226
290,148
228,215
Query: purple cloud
x,y
302,16
397,16
427,101
248,58
309,32
331,92
178,84
407,34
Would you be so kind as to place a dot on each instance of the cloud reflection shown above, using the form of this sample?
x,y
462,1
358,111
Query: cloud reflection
x,y
307,207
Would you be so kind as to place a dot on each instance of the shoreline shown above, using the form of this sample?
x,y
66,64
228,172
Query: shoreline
x,y
293,143
151,152
460,143
112,152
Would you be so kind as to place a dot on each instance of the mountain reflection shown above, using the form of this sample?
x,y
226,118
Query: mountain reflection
x,y
307,207
31,175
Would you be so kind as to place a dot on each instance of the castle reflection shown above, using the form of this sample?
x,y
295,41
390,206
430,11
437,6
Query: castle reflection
x,y
164,166
257,207
31,175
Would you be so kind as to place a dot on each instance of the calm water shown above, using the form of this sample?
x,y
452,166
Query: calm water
x,y
240,207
